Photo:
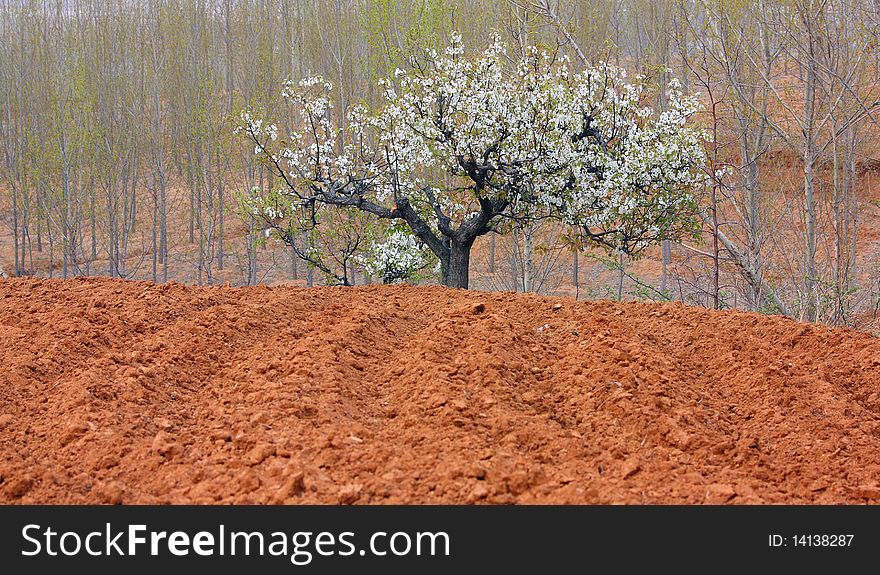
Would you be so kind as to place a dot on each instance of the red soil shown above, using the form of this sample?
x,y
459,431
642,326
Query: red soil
x,y
131,392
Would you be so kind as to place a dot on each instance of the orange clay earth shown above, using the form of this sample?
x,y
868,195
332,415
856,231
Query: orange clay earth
x,y
130,392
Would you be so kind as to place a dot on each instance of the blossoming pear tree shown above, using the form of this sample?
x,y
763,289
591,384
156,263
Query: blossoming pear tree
x,y
463,143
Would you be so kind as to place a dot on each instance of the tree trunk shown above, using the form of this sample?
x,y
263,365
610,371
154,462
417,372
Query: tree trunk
x,y
809,158
716,257
155,234
66,238
665,260
852,213
838,267
492,253
810,242
23,244
51,246
529,260
93,217
251,248
163,237
39,224
198,217
192,195
514,261
755,227
220,216
455,270
15,227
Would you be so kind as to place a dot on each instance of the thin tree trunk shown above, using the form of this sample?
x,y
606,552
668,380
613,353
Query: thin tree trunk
x,y
514,251
39,224
220,223
15,227
529,260
163,232
492,253
24,244
809,159
192,193
753,211
93,217
199,226
838,271
66,228
665,260
716,258
852,210
810,283
155,233
50,239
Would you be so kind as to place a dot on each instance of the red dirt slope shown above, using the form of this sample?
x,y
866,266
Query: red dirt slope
x,y
131,392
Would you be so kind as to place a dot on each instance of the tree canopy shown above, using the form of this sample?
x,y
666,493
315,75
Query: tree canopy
x,y
463,142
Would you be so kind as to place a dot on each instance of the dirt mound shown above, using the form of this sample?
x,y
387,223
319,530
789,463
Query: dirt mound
x,y
131,392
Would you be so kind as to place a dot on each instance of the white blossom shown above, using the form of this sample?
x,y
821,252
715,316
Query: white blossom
x,y
397,258
534,137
